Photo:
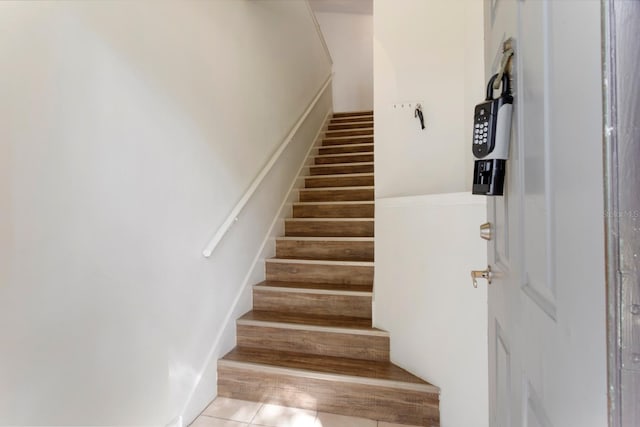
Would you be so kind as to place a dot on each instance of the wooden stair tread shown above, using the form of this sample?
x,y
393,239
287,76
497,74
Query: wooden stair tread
x,y
311,286
308,320
378,370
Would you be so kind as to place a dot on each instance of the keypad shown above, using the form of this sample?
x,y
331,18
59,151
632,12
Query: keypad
x,y
480,133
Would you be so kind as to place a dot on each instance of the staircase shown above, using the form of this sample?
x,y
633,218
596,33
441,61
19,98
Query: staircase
x,y
309,341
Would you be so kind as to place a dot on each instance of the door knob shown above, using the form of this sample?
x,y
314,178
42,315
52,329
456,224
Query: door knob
x,y
481,274
485,231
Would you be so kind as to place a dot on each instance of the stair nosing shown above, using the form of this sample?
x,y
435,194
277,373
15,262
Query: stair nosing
x,y
346,138
351,188
346,202
353,379
342,164
261,287
348,146
276,260
313,328
361,153
331,219
344,175
331,238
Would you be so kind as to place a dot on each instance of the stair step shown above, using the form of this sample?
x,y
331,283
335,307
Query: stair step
x,y
368,118
345,272
351,125
329,194
319,286
344,140
340,168
362,388
338,336
326,248
353,113
329,227
325,159
357,209
349,132
339,180
347,148
320,302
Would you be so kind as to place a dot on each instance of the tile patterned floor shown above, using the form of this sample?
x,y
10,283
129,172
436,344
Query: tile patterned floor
x,y
224,412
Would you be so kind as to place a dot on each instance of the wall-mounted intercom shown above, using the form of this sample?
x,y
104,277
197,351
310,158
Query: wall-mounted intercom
x,y
491,135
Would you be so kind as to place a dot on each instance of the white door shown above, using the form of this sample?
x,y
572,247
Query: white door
x,y
547,347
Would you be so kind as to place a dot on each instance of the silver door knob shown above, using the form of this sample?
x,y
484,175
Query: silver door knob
x,y
481,274
485,231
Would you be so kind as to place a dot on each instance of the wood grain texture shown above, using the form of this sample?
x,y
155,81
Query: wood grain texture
x,y
347,148
347,140
334,396
341,168
368,118
317,286
336,194
335,250
348,274
350,132
355,180
320,228
320,343
353,113
351,125
311,320
309,302
366,369
343,158
334,210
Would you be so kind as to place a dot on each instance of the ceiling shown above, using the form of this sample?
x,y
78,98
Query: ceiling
x,y
363,7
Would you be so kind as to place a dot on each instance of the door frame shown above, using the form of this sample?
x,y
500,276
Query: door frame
x,y
622,210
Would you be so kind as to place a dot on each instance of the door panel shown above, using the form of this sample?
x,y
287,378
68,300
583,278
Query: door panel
x,y
547,346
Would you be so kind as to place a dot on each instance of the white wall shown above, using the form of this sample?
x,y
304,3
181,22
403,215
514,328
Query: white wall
x,y
425,248
429,52
129,131
349,37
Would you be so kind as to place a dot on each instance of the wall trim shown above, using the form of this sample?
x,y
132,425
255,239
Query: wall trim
x,y
441,199
260,255
233,215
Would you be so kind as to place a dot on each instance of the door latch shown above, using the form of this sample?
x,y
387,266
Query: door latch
x,y
481,274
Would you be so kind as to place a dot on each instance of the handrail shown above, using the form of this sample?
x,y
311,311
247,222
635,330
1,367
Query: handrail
x,y
319,30
233,216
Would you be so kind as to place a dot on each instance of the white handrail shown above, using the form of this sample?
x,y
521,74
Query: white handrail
x,y
233,216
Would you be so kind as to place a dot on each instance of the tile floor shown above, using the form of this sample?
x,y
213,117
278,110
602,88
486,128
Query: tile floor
x,y
224,412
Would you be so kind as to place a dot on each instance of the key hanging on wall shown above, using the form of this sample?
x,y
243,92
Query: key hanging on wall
x,y
418,113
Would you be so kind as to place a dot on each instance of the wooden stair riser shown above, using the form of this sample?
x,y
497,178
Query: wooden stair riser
x,y
352,125
334,210
321,343
349,132
343,158
342,168
331,250
353,113
320,228
365,118
336,195
346,149
328,394
339,181
327,142
353,304
319,273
